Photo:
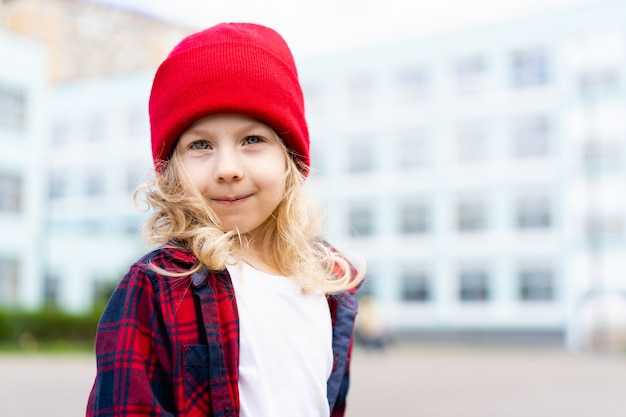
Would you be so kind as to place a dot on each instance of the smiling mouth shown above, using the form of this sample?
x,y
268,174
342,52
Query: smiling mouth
x,y
230,200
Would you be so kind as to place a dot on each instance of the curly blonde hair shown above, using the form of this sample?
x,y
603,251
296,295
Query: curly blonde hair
x,y
181,216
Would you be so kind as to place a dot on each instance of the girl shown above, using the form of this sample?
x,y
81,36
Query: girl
x,y
242,310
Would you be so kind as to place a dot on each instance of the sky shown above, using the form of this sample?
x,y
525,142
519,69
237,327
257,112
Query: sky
x,y
314,27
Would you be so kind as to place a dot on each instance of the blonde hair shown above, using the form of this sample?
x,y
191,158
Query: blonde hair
x,y
290,236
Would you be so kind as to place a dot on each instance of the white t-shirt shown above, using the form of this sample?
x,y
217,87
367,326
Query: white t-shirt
x,y
285,346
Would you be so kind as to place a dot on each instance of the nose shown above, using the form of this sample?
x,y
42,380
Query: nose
x,y
228,166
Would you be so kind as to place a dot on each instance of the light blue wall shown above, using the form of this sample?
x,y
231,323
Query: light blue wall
x,y
87,241
22,69
95,236
499,178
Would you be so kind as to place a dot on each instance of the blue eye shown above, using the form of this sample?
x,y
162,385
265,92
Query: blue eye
x,y
250,140
200,144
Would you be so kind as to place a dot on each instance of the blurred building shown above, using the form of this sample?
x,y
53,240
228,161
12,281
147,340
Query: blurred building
x,y
86,39
74,82
99,153
481,173
22,165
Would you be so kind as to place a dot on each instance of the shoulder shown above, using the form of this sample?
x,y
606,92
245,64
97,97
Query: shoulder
x,y
343,264
170,258
145,271
167,258
143,286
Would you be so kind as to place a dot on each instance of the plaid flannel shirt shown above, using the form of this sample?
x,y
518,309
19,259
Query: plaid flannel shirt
x,y
169,346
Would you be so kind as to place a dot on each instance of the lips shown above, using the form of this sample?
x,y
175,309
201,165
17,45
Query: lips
x,y
230,200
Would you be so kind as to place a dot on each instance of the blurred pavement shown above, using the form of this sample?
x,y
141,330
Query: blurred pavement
x,y
402,382
487,382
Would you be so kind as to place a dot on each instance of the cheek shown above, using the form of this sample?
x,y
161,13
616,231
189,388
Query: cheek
x,y
281,188
272,181
197,179
273,170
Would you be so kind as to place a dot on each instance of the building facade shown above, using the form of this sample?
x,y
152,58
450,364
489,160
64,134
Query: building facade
x,y
482,174
100,152
22,166
85,39
73,96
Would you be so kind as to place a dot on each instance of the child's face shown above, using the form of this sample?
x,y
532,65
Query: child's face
x,y
238,164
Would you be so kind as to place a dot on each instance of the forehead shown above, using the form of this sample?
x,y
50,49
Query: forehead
x,y
228,120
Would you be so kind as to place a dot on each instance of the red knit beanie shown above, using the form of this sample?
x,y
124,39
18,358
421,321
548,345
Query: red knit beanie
x,y
240,68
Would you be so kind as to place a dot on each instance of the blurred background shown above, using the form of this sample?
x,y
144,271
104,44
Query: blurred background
x,y
473,152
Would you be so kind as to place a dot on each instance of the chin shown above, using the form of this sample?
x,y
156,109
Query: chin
x,y
236,229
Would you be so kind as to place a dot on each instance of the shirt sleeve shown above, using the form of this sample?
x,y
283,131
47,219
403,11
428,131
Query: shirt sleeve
x,y
133,377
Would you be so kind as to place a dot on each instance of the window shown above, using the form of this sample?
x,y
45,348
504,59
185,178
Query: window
x,y
10,193
95,129
536,284
472,143
595,80
12,108
319,160
131,227
413,84
51,291
315,96
60,133
136,123
361,221
530,68
595,59
9,281
471,215
532,137
470,74
58,186
361,155
133,177
413,150
360,89
368,288
94,183
94,226
599,227
415,286
414,217
533,212
473,285
599,151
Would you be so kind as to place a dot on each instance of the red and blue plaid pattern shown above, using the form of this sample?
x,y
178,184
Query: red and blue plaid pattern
x,y
169,346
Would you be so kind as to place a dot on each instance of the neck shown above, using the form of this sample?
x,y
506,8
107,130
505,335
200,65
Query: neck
x,y
259,261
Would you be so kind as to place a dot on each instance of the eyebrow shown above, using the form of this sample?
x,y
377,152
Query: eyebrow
x,y
252,125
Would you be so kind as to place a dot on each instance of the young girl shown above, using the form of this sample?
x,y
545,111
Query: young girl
x,y
242,310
